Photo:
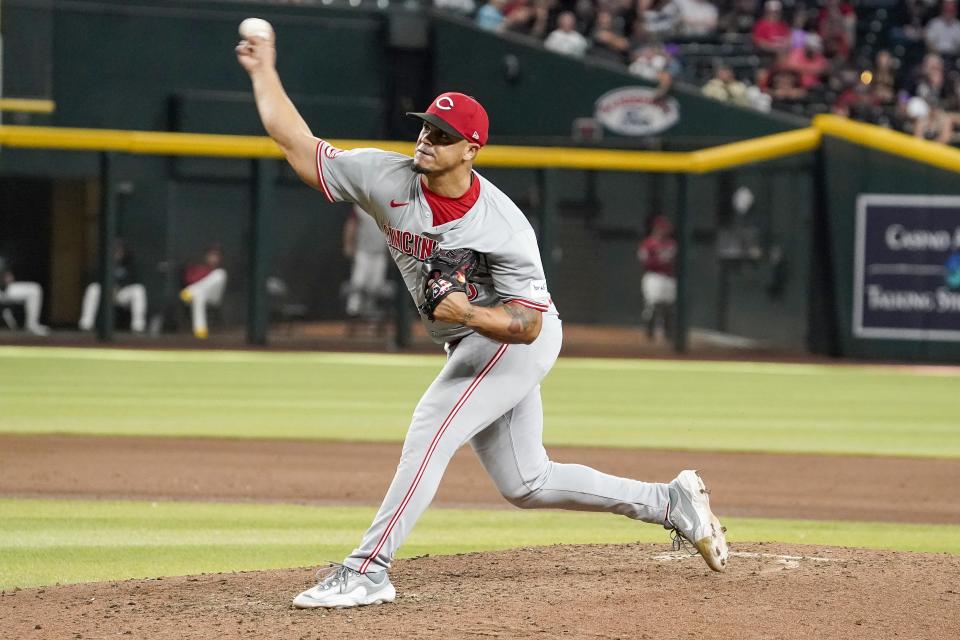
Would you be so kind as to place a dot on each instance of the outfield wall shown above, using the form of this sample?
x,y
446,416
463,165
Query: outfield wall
x,y
850,172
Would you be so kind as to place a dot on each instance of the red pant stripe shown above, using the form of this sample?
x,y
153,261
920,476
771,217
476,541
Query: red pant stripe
x,y
430,450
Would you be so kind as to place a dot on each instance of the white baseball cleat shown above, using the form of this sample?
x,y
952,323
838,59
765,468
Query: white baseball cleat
x,y
342,587
692,520
39,330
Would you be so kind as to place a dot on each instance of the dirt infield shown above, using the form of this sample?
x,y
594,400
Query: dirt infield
x,y
610,591
601,591
763,485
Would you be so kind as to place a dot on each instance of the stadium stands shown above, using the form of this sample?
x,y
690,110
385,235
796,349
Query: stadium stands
x,y
886,62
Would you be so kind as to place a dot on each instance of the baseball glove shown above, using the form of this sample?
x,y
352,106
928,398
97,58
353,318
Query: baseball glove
x,y
446,271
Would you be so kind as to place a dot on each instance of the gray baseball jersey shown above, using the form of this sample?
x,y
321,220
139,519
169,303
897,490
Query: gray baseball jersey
x,y
488,393
385,186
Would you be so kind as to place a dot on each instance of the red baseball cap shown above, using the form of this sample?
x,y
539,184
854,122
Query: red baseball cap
x,y
459,115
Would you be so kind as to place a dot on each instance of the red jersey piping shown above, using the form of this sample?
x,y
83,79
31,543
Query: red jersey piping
x,y
320,179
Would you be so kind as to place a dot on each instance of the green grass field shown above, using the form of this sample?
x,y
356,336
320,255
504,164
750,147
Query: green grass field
x,y
617,403
43,542
624,403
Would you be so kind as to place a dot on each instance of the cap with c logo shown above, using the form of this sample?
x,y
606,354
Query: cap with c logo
x,y
459,115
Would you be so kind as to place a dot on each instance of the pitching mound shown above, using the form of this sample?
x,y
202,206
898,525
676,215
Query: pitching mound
x,y
609,591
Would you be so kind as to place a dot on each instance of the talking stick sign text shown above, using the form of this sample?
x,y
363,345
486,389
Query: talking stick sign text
x,y
907,268
636,111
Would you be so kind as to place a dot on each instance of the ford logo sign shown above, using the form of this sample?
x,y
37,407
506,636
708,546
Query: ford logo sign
x,y
636,111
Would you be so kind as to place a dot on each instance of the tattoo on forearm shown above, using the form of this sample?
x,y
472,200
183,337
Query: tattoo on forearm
x,y
519,319
467,317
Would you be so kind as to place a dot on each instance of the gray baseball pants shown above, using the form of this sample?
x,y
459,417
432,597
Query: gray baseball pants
x,y
488,393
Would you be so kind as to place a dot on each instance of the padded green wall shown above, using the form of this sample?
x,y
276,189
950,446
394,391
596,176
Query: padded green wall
x,y
849,171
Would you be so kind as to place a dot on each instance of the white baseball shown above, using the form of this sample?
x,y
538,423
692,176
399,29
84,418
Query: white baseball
x,y
256,27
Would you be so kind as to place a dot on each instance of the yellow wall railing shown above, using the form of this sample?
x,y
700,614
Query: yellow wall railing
x,y
201,144
755,150
27,105
892,142
696,162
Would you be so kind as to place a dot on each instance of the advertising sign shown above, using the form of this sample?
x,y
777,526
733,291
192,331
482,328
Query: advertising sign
x,y
907,268
636,111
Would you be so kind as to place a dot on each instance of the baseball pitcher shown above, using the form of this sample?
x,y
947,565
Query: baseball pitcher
x,y
470,260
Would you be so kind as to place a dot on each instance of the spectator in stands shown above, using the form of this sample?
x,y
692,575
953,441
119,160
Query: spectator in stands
x,y
565,39
758,99
858,102
697,17
909,16
624,13
883,78
463,7
543,12
785,86
607,43
836,25
942,34
725,87
931,83
661,17
844,8
29,294
741,18
585,12
799,26
771,33
519,16
657,253
639,37
654,64
129,293
490,15
843,11
843,75
935,125
809,62
204,284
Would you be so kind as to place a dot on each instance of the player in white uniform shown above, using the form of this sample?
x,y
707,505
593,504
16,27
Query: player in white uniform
x,y
363,244
501,338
